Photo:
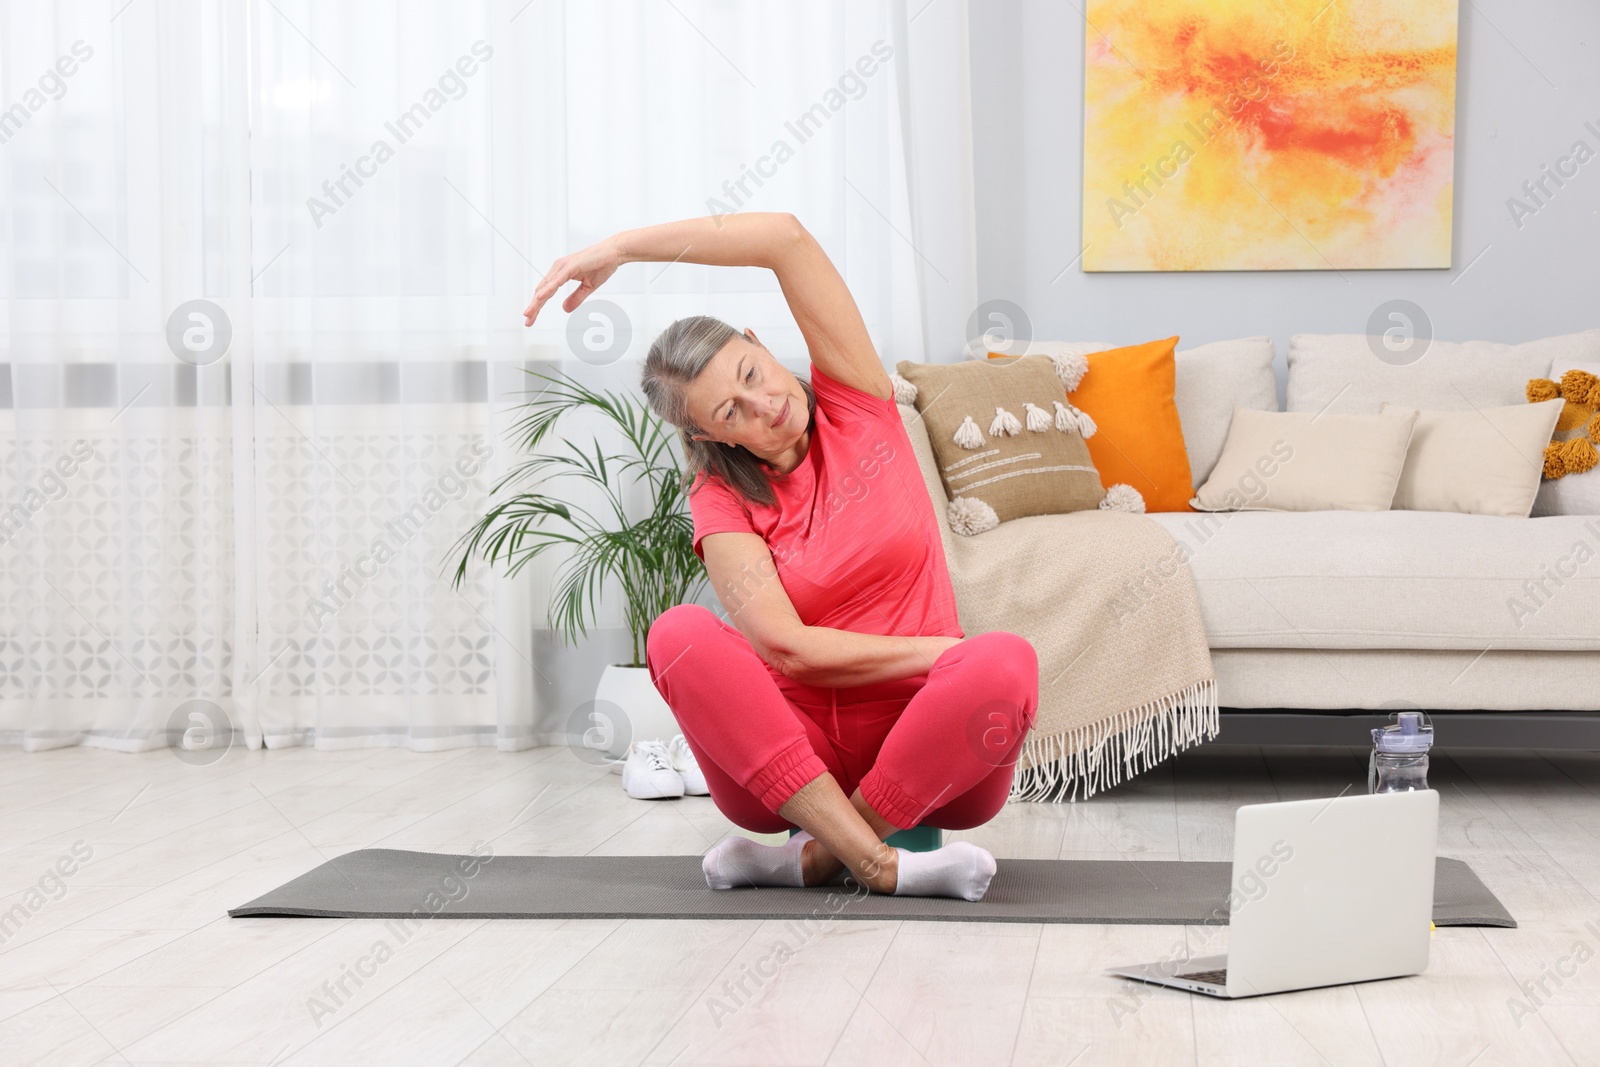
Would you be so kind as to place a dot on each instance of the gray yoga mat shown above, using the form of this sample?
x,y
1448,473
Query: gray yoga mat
x,y
382,883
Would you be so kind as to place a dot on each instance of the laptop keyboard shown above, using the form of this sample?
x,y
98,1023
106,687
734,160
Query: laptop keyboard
x,y
1213,977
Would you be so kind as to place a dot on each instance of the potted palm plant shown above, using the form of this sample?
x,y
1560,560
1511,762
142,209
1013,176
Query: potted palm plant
x,y
648,551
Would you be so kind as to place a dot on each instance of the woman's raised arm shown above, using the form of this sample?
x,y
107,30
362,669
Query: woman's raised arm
x,y
826,313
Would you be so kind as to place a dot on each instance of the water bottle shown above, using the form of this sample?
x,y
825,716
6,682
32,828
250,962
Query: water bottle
x,y
1399,761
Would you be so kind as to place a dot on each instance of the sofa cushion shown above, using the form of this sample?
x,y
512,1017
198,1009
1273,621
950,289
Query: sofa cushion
x,y
1340,372
1484,462
1388,679
1576,494
1393,579
1003,450
1128,392
1297,461
1213,379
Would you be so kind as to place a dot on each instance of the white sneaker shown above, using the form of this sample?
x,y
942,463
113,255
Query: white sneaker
x,y
647,774
683,761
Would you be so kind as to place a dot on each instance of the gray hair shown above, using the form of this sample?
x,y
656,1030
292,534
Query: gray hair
x,y
676,358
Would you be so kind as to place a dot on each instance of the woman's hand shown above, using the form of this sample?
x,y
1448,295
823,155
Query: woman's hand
x,y
591,267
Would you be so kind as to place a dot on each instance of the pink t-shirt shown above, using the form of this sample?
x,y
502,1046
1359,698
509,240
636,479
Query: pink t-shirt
x,y
853,533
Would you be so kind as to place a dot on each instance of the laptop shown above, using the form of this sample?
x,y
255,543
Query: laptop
x,y
1324,892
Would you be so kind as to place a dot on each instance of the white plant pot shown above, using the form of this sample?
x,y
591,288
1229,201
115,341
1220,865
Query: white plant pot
x,y
629,697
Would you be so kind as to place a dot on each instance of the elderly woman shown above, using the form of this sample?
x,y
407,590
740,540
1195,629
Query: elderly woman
x,y
844,698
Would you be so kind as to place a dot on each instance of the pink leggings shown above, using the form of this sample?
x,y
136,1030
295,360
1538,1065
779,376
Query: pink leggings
x,y
937,749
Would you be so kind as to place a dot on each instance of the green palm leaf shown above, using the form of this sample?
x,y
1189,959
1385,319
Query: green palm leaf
x,y
649,556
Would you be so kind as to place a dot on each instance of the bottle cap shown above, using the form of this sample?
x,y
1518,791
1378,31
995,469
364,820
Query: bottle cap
x,y
1410,735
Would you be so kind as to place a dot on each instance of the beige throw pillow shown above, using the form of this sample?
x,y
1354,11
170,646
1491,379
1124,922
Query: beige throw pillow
x,y
1007,441
1485,462
1301,461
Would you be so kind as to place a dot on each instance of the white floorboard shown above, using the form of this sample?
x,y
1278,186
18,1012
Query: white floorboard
x,y
135,960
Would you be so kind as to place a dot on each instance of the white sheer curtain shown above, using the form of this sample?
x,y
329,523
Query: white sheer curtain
x,y
264,265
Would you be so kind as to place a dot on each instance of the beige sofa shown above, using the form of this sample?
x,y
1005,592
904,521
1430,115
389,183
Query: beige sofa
x,y
1369,610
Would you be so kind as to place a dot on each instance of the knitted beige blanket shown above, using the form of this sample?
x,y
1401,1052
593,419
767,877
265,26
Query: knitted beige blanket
x,y
1107,600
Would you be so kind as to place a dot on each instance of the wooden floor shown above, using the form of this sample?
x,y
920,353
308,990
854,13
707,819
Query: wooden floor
x,y
132,959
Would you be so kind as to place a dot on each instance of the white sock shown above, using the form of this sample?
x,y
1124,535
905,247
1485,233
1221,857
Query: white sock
x,y
959,869
738,861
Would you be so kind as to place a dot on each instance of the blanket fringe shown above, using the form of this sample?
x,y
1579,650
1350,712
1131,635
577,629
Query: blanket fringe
x,y
1097,756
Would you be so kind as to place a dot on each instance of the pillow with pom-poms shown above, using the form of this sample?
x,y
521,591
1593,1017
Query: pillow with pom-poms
x,y
1007,441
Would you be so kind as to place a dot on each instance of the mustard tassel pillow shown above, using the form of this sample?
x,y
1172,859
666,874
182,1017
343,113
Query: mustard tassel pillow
x,y
1572,448
1571,475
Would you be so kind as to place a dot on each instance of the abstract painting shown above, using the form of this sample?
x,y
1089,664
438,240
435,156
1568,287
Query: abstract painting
x,y
1294,135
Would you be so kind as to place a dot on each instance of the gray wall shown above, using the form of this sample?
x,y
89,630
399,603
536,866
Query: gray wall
x,y
1027,78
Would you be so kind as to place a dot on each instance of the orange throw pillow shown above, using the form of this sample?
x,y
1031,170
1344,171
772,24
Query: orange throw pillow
x,y
1129,394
